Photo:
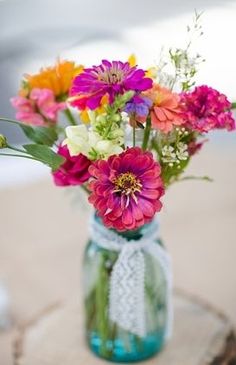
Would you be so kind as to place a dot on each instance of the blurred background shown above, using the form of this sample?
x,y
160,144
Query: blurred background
x,y
42,232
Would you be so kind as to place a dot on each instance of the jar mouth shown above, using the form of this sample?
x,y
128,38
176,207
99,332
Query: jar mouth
x,y
135,234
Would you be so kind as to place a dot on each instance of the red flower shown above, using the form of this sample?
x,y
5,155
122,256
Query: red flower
x,y
126,189
74,171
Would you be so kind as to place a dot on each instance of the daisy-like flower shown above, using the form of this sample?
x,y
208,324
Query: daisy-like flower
x,y
126,189
166,111
206,108
39,108
110,78
57,78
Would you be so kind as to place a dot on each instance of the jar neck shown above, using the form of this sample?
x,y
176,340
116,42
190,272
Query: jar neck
x,y
135,234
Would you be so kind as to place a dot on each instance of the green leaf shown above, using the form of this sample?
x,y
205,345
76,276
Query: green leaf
x,y
45,155
40,135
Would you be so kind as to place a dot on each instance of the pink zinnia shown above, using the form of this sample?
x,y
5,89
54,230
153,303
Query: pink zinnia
x,y
74,171
111,78
126,189
39,108
206,109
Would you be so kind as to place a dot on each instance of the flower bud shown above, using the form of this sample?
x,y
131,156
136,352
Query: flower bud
x,y
116,133
116,118
101,118
127,96
3,141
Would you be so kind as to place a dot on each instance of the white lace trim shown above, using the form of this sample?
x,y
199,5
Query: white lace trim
x,y
127,296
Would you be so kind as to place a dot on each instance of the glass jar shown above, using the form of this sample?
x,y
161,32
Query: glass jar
x,y
106,338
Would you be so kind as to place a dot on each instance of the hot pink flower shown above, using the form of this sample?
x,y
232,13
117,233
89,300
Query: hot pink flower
x,y
74,171
226,121
109,78
39,108
206,109
126,189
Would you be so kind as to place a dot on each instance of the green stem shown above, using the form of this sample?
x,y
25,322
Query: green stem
x,y
146,134
9,120
203,178
15,155
233,105
70,117
102,294
156,148
107,131
134,141
84,188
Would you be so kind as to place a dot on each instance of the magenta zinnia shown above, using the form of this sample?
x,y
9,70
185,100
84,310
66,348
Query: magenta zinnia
x,y
74,171
111,78
206,108
126,189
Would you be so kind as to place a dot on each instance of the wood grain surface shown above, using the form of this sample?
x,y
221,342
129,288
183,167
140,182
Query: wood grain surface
x,y
201,336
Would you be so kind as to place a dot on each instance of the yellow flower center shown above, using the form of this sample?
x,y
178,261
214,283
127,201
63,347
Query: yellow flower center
x,y
128,184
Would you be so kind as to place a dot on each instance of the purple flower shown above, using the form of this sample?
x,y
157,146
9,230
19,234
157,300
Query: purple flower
x,y
109,78
138,109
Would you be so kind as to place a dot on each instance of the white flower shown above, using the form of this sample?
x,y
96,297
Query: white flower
x,y
77,140
125,117
106,148
90,143
171,155
168,154
182,151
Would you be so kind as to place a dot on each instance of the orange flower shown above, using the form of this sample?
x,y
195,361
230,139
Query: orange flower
x,y
166,111
57,78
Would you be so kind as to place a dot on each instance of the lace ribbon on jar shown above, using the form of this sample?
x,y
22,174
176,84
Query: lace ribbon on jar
x,y
127,289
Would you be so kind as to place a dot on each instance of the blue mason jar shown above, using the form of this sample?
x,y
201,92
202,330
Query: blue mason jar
x,y
110,339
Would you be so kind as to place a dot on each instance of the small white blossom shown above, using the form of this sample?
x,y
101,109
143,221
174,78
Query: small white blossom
x,y
168,154
182,151
125,117
173,156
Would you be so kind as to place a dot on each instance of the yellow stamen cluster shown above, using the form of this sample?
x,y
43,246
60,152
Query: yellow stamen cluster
x,y
128,184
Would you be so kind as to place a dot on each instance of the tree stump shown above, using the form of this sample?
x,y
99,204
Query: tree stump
x,y
201,336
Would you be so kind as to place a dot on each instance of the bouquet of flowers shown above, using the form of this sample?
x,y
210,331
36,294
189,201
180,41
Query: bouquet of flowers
x,y
129,134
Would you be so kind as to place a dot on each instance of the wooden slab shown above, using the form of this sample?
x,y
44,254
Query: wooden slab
x,y
201,336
